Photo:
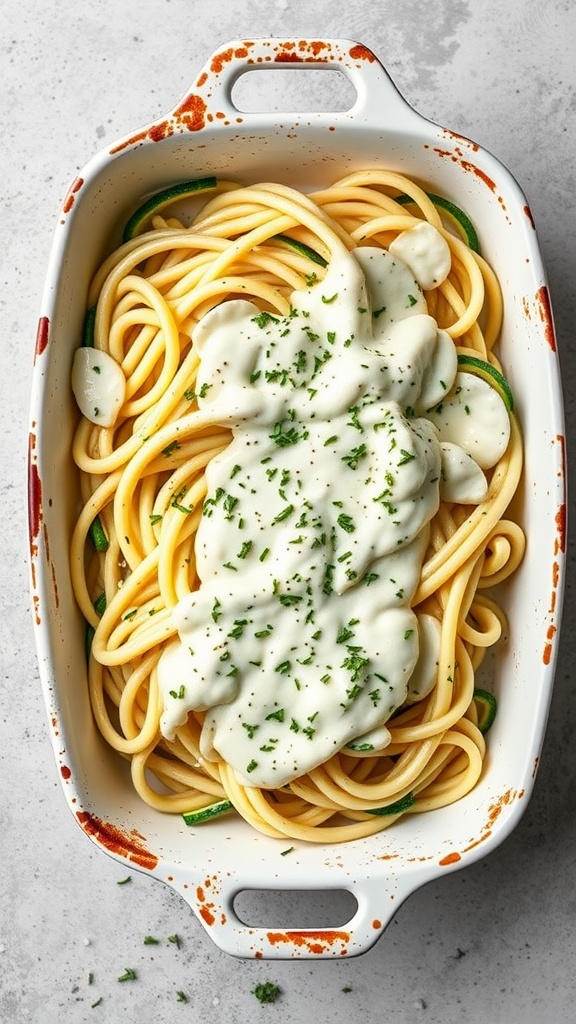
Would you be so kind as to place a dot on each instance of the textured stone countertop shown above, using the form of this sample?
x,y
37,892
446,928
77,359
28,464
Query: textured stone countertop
x,y
492,944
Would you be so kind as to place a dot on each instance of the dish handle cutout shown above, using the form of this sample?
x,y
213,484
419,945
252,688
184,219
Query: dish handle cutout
x,y
235,916
366,94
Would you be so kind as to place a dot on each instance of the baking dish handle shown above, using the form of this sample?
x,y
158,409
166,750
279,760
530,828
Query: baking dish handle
x,y
210,102
213,902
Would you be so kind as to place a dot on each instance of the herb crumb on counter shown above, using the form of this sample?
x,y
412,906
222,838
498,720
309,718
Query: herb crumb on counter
x,y
266,992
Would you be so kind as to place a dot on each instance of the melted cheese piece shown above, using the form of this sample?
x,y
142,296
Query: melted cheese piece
x,y
474,417
301,638
99,385
426,252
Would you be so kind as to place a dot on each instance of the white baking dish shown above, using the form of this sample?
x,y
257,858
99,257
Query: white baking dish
x,y
207,134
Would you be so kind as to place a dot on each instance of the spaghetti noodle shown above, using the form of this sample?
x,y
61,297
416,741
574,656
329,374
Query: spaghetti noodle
x,y
147,552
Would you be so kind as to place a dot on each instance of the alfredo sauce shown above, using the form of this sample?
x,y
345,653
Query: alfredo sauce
x,y
300,640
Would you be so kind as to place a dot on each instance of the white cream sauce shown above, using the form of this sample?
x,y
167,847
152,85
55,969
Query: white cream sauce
x,y
301,638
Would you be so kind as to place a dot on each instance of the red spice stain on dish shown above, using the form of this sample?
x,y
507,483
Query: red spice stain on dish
x,y
34,498
220,59
314,45
485,835
360,52
560,518
309,50
129,845
545,310
450,858
559,548
130,141
285,57
376,924
189,115
71,194
207,908
495,810
468,166
191,112
206,913
457,157
553,594
547,655
562,442
528,213
450,134
160,130
314,941
65,772
42,335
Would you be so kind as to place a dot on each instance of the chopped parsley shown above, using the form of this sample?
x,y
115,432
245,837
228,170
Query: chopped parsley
x,y
129,974
266,992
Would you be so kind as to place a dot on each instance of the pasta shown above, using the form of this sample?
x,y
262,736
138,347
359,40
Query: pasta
x,y
146,449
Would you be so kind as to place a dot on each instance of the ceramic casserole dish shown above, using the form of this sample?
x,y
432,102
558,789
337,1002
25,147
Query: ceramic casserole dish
x,y
206,134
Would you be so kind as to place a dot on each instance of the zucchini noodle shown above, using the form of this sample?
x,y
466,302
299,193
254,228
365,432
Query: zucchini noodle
x,y
142,484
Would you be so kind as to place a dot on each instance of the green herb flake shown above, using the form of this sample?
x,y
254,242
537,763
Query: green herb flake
x,y
266,992
346,523
170,448
276,716
129,974
355,455
287,599
229,505
285,436
284,514
263,319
